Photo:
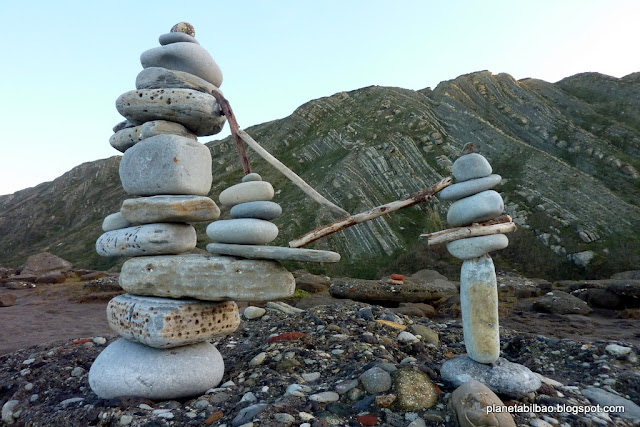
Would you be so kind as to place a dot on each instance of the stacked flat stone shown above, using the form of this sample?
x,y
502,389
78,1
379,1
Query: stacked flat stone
x,y
165,351
473,202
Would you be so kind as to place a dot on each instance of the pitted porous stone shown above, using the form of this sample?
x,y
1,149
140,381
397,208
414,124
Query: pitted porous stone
x,y
469,188
273,252
244,192
115,221
127,368
127,138
148,239
474,247
261,210
184,27
199,112
160,78
243,231
479,306
477,208
471,166
184,56
168,323
147,210
176,37
166,164
207,277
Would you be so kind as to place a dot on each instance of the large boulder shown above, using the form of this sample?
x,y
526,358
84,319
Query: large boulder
x,y
45,263
558,302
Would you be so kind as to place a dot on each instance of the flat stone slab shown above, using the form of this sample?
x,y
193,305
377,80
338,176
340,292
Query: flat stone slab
x,y
161,78
273,252
261,210
168,322
502,376
243,231
207,277
606,398
146,210
184,56
471,166
474,247
148,239
166,164
126,138
176,37
470,187
374,290
127,368
244,192
198,112
477,208
115,221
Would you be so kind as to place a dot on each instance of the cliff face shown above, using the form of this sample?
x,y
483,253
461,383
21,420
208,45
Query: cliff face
x,y
569,153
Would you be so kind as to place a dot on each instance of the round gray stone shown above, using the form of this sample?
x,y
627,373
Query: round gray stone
x,y
169,38
470,187
166,164
146,210
127,368
471,166
247,192
251,177
273,252
376,380
474,247
243,231
502,376
261,210
198,112
184,56
477,208
148,239
115,221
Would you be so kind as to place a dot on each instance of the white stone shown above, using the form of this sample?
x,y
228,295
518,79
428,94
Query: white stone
x,y
247,231
312,376
146,210
407,337
258,359
617,350
477,208
471,166
184,56
168,322
166,164
148,239
474,247
128,137
252,312
469,188
126,368
207,277
244,192
115,221
7,411
325,397
273,252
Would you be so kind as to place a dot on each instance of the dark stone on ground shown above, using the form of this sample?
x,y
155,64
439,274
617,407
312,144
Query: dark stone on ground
x,y
313,283
7,300
561,303
376,291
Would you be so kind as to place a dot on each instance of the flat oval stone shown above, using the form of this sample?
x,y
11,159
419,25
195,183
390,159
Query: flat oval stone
x,y
273,252
479,306
247,192
474,247
470,187
149,239
198,112
471,166
161,78
127,368
251,177
169,38
207,277
168,322
182,56
128,137
147,210
244,231
115,221
477,208
166,164
261,210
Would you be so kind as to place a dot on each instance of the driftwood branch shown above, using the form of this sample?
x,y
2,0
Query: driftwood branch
x,y
233,124
502,224
422,196
293,177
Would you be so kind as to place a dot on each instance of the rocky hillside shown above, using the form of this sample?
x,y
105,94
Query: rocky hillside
x,y
569,154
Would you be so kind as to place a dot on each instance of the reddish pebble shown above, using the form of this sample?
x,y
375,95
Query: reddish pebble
x,y
82,341
368,420
213,418
287,336
397,277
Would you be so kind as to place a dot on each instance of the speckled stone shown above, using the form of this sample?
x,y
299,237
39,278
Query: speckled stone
x,y
128,137
244,231
474,247
115,221
184,27
471,166
207,277
175,37
148,239
244,192
261,210
479,306
470,187
168,322
414,390
477,208
184,56
166,164
127,368
146,210
273,252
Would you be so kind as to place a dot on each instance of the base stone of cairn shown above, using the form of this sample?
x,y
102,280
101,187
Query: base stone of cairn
x,y
474,201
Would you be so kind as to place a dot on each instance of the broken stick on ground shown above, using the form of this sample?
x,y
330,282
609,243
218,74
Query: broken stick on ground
x,y
502,224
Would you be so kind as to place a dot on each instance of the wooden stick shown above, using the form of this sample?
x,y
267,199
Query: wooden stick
x,y
325,230
233,124
502,224
293,177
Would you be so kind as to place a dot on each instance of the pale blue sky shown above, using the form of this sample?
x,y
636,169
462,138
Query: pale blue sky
x,y
64,63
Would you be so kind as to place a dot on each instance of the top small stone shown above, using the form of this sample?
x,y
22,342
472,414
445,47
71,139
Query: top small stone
x,y
471,166
251,177
184,27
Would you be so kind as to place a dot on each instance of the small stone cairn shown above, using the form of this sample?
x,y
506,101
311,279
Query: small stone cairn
x,y
178,302
475,202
